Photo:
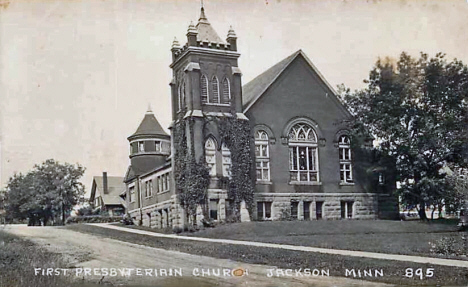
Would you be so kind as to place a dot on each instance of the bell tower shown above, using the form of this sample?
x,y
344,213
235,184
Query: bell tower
x,y
206,81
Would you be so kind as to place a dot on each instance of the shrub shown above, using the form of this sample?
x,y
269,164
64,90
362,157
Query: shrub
x,y
231,219
85,210
93,219
177,230
208,222
448,246
127,220
285,214
103,212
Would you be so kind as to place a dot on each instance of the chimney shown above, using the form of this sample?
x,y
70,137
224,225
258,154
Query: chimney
x,y
104,182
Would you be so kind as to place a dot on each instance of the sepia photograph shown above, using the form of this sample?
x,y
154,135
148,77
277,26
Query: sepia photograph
x,y
233,143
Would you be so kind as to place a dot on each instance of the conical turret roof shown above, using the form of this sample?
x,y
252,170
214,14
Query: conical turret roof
x,y
149,126
206,31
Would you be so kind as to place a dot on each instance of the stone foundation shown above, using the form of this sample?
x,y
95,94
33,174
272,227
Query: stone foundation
x,y
363,205
161,215
170,214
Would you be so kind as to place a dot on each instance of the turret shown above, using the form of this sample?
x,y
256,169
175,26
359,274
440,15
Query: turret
x,y
192,34
149,145
175,49
232,39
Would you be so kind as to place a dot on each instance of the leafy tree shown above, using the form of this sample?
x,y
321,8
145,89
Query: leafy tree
x,y
47,192
458,181
2,206
417,109
18,196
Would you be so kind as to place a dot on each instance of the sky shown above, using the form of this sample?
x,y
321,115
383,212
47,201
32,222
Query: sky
x,y
76,77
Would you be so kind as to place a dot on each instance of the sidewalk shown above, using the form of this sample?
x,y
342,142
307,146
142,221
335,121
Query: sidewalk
x,y
397,257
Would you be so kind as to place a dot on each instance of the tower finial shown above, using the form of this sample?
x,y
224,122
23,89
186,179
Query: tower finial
x,y
192,28
175,44
231,33
202,13
149,111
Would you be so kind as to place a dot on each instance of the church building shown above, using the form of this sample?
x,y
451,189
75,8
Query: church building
x,y
304,163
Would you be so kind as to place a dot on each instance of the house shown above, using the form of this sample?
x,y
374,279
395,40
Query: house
x,y
305,165
105,194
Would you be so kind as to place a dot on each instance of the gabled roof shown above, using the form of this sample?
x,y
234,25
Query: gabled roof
x,y
206,31
115,185
149,126
254,89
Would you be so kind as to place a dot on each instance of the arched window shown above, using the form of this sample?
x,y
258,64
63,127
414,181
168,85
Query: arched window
x,y
182,95
210,155
303,156
226,91
346,168
215,88
204,89
262,156
226,160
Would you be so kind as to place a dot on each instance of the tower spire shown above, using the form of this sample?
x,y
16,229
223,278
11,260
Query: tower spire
x,y
149,111
202,13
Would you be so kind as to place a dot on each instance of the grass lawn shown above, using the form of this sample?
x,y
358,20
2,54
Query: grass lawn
x,y
19,257
384,236
336,264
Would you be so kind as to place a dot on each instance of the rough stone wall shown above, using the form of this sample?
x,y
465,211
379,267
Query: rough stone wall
x,y
135,215
365,206
177,213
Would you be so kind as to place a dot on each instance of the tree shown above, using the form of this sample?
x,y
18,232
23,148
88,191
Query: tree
x,y
2,206
458,180
49,191
19,196
417,109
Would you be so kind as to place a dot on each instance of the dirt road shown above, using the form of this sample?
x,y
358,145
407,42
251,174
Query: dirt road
x,y
90,257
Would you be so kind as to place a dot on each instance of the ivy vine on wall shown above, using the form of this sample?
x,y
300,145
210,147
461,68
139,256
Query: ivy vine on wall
x,y
192,178
236,134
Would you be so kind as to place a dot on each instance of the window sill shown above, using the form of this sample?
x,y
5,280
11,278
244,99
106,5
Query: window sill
x,y
266,219
148,197
346,183
216,104
162,192
266,182
154,152
305,183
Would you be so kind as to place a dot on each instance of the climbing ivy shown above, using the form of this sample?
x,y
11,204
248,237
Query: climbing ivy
x,y
236,134
191,178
